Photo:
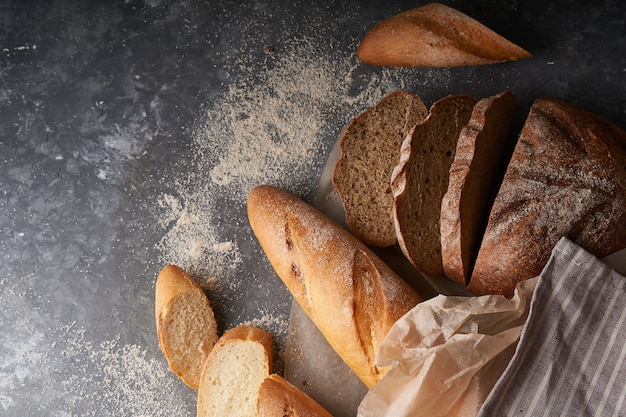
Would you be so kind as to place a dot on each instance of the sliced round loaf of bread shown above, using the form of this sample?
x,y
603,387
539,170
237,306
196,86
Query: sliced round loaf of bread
x,y
186,326
233,373
566,178
420,180
370,148
480,160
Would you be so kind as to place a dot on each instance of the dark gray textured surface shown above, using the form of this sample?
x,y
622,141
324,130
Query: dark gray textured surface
x,y
100,105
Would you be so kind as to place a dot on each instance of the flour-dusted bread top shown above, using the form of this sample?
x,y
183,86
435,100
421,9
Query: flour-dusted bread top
x,y
279,398
567,177
479,163
234,372
350,294
435,35
370,147
186,326
420,180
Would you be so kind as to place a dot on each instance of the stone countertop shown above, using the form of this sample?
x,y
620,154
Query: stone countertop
x,y
130,133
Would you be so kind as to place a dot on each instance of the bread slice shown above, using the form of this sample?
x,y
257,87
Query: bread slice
x,y
186,326
435,35
233,373
566,178
420,180
279,398
479,163
370,148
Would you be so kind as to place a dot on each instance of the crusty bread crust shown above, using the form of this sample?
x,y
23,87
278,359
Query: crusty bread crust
x,y
279,398
435,35
230,378
420,180
475,174
370,147
186,326
567,177
346,290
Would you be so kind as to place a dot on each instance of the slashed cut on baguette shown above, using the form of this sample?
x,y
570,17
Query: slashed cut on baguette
x,y
279,398
186,326
347,291
480,160
435,35
420,180
370,147
566,178
233,373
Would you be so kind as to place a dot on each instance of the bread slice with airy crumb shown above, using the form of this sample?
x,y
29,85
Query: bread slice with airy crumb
x,y
482,154
233,373
279,398
186,326
370,148
420,180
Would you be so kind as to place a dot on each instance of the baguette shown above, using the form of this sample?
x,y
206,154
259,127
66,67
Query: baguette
x,y
370,146
279,398
186,327
420,180
479,163
435,35
566,178
346,290
233,373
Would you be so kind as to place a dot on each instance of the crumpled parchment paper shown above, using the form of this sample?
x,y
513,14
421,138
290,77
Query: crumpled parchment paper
x,y
446,354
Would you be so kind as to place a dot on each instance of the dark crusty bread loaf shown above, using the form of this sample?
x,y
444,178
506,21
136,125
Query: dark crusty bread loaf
x,y
348,292
370,147
234,372
186,326
420,180
435,35
481,156
279,398
567,177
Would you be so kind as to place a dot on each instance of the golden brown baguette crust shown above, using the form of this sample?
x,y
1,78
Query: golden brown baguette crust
x,y
346,290
215,373
279,398
370,147
435,35
475,174
567,177
186,326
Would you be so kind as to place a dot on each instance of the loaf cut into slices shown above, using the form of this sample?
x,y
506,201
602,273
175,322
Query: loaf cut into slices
x,y
566,178
186,326
435,35
347,291
420,180
279,398
370,147
480,160
233,373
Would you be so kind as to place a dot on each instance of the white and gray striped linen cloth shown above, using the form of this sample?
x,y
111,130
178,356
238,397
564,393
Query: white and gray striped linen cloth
x,y
571,357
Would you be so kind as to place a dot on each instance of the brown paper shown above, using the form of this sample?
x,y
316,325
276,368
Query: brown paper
x,y
446,354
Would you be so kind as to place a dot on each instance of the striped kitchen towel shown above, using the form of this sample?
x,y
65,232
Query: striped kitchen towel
x,y
571,358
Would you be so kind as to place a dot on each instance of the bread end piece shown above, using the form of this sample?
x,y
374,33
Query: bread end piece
x,y
435,35
480,160
370,148
420,180
279,398
234,372
186,326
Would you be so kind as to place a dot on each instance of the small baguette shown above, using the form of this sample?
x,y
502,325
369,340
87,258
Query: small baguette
x,y
186,326
435,35
346,290
232,374
279,398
